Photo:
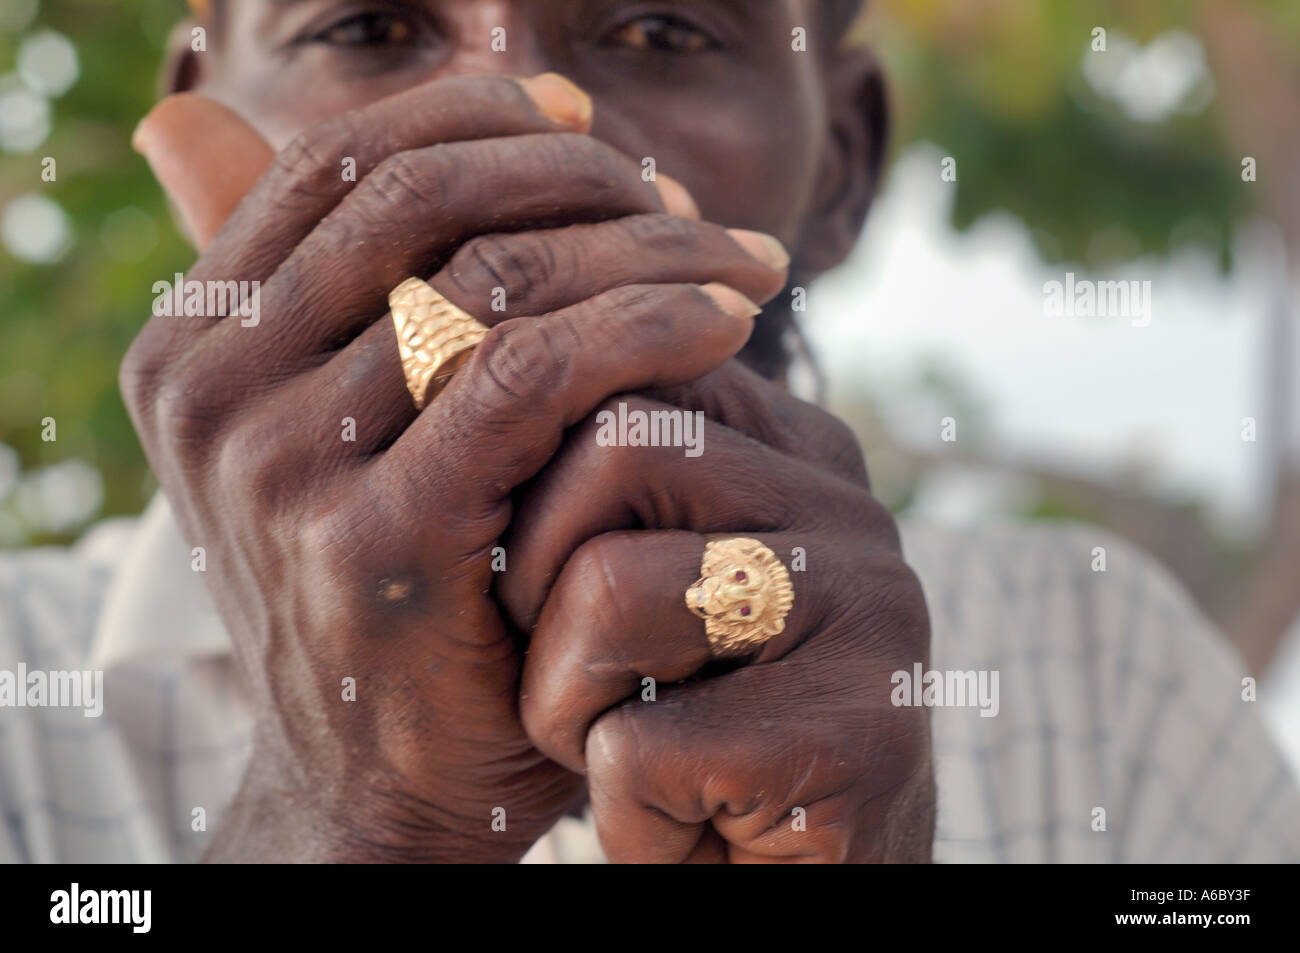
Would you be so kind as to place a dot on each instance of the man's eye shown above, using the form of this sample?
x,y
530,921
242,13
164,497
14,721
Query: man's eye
x,y
368,29
666,34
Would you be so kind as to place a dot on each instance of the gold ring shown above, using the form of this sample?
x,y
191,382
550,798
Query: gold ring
x,y
743,595
433,335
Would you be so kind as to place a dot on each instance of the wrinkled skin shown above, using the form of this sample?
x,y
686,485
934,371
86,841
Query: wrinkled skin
x,y
372,558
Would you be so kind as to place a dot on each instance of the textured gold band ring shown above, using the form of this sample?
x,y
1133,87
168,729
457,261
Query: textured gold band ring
x,y
743,595
433,335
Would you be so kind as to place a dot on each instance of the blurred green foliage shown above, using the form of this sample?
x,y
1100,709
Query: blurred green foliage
x,y
1000,84
64,327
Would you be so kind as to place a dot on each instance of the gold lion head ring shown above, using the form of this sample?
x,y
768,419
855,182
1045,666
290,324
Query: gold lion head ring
x,y
743,595
434,337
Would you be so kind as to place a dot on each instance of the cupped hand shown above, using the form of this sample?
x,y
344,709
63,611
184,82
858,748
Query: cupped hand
x,y
349,537
797,754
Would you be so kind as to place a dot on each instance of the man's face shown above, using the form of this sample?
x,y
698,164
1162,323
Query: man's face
x,y
710,89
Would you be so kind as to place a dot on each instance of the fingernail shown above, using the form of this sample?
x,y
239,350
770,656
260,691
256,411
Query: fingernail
x,y
139,138
730,300
762,246
559,99
677,201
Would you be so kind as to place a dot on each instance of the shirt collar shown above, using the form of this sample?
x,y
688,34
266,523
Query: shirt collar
x,y
157,605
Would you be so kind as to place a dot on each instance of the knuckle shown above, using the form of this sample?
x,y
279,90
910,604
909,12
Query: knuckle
x,y
661,232
895,610
836,842
613,463
614,752
186,410
635,298
326,541
592,592
249,464
911,596
521,264
403,185
237,462
839,435
845,453
602,172
520,358
140,375
618,464
310,164
880,526
327,535
655,309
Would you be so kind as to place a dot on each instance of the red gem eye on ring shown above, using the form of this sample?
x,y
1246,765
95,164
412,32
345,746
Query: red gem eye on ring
x,y
744,610
740,575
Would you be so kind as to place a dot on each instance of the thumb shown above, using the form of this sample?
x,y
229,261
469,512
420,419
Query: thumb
x,y
205,157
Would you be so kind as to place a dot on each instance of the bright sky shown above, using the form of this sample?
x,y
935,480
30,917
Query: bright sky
x,y
1088,394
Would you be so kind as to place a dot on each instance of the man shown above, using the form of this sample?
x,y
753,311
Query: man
x,y
375,619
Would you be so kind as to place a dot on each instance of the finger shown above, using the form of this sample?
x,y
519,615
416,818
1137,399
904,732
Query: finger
x,y
655,783
497,422
205,156
211,173
735,486
408,217
313,173
504,414
539,272
617,615
535,272
711,848
741,752
746,401
820,832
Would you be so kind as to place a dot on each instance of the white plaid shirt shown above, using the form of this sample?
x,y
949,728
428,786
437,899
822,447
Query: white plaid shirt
x,y
1115,693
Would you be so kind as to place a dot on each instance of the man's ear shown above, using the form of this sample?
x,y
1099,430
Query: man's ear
x,y
183,68
853,163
